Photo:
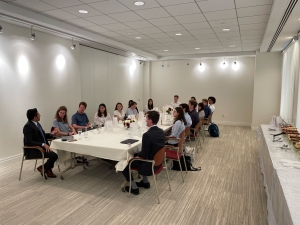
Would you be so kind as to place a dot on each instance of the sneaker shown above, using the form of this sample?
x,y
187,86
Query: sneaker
x,y
142,184
133,191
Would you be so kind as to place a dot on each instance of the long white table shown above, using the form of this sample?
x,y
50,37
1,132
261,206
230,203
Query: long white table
x,y
281,181
105,145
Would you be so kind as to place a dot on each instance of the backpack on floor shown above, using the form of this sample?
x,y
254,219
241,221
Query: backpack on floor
x,y
213,130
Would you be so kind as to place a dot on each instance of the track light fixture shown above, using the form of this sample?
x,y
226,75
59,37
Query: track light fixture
x,y
163,64
201,67
142,63
0,29
32,37
73,45
188,63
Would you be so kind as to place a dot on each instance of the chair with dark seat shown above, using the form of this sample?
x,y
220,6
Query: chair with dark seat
x,y
175,152
205,123
159,160
196,135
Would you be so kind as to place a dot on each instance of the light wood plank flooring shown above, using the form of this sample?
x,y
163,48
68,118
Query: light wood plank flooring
x,y
228,190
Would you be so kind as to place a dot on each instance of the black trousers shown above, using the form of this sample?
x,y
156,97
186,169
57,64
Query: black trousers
x,y
144,169
36,154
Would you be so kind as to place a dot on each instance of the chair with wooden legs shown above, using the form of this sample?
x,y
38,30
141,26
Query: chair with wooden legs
x,y
205,123
196,135
159,160
175,153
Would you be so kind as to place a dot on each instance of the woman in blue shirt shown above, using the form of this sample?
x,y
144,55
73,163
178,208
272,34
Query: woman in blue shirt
x,y
60,123
179,125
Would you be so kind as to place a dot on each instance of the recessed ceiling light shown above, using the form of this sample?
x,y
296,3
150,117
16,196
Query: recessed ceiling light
x,y
139,3
197,48
232,46
288,37
166,50
178,34
83,11
138,37
226,29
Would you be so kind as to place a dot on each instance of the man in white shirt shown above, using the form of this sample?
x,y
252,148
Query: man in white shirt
x,y
211,102
176,103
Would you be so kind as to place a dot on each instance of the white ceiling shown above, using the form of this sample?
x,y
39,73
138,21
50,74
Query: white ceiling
x,y
200,22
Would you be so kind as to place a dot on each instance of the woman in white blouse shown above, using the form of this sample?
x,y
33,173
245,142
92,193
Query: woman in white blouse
x,y
102,115
119,113
149,106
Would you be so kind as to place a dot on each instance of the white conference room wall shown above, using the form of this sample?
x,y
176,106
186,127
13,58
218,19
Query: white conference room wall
x,y
232,89
30,78
108,78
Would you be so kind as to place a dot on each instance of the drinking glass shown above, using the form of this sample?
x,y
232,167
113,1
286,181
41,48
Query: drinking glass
x,y
98,129
79,133
85,133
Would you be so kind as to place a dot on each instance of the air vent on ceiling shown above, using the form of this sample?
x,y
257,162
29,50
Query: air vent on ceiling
x,y
282,22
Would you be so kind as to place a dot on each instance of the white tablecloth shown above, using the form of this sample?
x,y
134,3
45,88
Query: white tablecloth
x,y
105,145
282,181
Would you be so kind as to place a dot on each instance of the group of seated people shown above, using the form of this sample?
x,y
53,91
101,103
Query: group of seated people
x,y
185,115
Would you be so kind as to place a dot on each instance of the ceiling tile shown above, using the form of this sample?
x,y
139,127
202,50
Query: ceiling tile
x,y
228,43
75,10
116,26
193,18
125,16
251,44
111,6
146,41
251,48
216,5
149,30
184,38
229,34
158,35
62,4
166,41
190,43
101,20
80,22
129,32
182,32
92,1
196,26
251,37
122,39
254,11
220,15
224,23
153,13
110,34
236,49
205,36
220,29
237,38
96,29
253,19
254,26
173,2
183,9
172,28
210,44
163,21
138,24
142,36
208,40
202,32
252,41
33,5
148,4
248,3
252,32
59,14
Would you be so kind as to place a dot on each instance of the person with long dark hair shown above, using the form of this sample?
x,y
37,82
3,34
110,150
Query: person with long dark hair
x,y
119,113
129,105
149,106
179,125
132,109
102,115
201,110
60,123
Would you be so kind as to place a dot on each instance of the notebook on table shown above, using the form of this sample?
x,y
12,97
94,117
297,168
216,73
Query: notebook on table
x,y
129,141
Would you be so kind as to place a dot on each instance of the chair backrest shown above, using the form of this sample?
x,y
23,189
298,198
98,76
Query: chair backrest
x,y
180,143
159,156
187,131
209,117
197,127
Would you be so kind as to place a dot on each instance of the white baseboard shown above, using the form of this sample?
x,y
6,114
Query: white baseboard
x,y
11,159
254,128
241,124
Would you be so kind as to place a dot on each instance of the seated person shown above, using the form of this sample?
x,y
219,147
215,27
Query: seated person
x,y
149,106
178,127
132,110
119,113
152,141
176,103
80,119
211,103
193,113
187,117
60,123
34,135
130,101
207,110
201,110
101,116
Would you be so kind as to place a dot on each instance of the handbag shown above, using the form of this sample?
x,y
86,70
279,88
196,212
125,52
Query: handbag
x,y
190,151
188,164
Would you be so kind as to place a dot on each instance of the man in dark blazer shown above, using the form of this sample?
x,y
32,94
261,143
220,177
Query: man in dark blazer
x,y
34,135
153,140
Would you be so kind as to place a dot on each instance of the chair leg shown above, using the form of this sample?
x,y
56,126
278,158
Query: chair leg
x,y
167,173
35,165
155,185
43,168
180,170
129,181
184,164
58,168
21,168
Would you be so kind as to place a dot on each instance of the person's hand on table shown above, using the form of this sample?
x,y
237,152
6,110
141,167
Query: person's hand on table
x,y
55,131
73,133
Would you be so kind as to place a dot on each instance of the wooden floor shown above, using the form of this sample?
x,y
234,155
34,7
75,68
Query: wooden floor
x,y
228,190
